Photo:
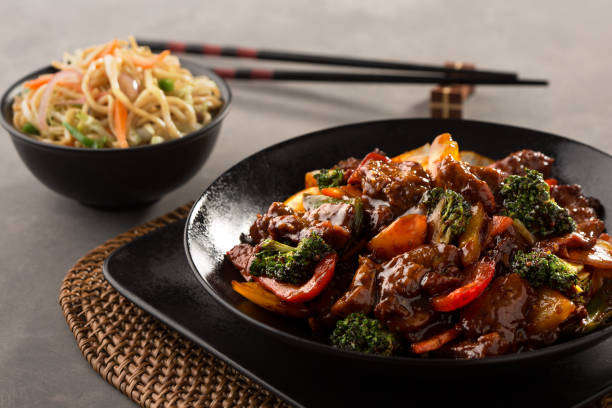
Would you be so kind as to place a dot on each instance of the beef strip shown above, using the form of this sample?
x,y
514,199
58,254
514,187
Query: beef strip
x,y
377,215
458,176
295,228
441,262
361,294
436,282
502,247
435,256
399,184
259,229
286,227
493,177
490,344
340,214
584,211
348,164
591,230
401,306
334,235
240,256
517,162
581,208
332,221
502,308
559,244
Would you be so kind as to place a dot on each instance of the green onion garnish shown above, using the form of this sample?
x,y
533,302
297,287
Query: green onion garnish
x,y
96,144
30,129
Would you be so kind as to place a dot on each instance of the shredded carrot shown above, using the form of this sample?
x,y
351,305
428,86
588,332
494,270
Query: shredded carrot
x,y
147,63
44,79
108,49
120,122
36,83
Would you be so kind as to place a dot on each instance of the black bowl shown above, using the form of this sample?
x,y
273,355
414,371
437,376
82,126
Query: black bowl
x,y
116,177
229,205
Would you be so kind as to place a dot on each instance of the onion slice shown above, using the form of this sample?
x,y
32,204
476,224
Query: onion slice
x,y
66,76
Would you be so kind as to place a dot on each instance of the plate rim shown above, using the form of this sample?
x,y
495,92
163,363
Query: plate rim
x,y
588,340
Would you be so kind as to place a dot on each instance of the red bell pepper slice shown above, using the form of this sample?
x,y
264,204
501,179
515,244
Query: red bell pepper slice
x,y
435,342
323,274
499,224
551,181
484,272
355,179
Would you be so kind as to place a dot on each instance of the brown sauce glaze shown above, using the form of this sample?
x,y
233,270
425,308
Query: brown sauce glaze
x,y
259,229
378,215
361,294
342,215
502,308
401,305
455,175
401,185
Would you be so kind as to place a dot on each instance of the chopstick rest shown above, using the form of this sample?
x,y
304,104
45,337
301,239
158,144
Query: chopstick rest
x,y
446,101
465,66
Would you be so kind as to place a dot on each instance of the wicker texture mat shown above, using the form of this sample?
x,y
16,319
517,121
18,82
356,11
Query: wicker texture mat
x,y
149,362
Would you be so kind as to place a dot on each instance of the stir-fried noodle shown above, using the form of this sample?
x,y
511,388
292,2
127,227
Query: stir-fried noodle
x,y
117,94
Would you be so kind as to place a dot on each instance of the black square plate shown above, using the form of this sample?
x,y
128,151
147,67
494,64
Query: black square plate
x,y
153,272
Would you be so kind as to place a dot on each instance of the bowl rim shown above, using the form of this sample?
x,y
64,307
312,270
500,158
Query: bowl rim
x,y
224,88
549,351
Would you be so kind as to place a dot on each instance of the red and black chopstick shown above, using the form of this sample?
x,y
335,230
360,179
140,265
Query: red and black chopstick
x,y
242,52
442,74
279,75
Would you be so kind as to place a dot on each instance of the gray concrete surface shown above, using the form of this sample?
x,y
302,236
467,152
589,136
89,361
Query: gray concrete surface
x,y
43,234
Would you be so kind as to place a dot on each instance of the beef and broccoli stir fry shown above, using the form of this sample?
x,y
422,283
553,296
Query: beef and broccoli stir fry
x,y
435,252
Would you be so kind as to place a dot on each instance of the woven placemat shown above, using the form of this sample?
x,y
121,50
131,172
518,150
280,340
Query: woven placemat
x,y
150,363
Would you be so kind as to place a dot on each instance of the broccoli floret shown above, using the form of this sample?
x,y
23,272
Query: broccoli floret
x,y
357,332
329,178
541,268
289,264
527,198
449,212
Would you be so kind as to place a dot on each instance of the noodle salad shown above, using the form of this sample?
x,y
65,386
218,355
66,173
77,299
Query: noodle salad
x,y
115,95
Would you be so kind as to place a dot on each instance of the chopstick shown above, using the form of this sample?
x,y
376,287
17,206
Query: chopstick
x,y
243,52
279,75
